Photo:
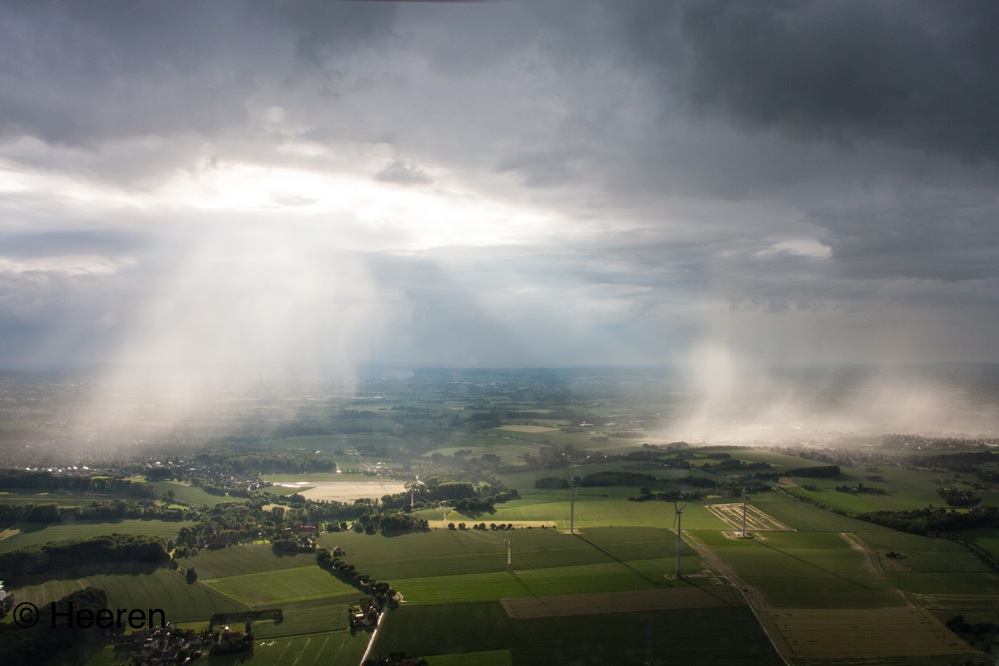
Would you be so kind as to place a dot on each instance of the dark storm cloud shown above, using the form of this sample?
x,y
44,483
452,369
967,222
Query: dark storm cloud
x,y
163,68
917,233
919,73
586,179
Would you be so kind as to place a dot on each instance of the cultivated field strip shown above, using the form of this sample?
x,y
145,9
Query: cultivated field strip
x,y
894,634
245,559
756,520
36,534
621,602
959,602
281,586
162,588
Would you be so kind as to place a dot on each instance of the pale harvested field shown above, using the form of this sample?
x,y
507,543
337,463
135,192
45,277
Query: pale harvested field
x,y
864,635
526,428
621,602
345,491
756,520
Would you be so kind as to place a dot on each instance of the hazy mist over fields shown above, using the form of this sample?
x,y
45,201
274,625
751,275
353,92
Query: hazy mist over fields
x,y
303,189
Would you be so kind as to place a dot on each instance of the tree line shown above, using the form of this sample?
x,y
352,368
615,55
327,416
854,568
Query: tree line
x,y
60,556
16,479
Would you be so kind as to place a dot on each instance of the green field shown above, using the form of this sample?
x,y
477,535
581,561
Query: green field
x,y
37,534
187,494
273,588
161,588
679,636
985,538
454,552
304,618
459,603
61,498
244,559
444,629
338,647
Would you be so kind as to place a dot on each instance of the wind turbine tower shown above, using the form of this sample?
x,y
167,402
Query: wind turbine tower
x,y
572,501
678,523
509,554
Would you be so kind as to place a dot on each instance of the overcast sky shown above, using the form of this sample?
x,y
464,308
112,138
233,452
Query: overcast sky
x,y
508,183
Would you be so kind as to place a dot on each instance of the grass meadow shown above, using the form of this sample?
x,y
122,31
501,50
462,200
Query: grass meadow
x,y
187,494
804,570
37,534
337,647
160,588
467,630
304,618
244,559
454,552
274,588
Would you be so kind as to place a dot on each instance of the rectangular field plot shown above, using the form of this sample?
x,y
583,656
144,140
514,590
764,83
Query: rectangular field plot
x,y
904,635
162,588
486,658
300,621
622,602
273,588
554,581
960,603
244,559
730,636
444,629
756,520
339,647
24,535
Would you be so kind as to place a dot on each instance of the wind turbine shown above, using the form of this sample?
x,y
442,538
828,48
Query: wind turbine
x,y
678,526
572,501
509,553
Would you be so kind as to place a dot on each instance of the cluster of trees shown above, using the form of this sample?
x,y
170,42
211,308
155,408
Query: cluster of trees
x,y
959,497
267,462
221,525
116,509
815,472
37,644
734,465
61,556
665,496
930,519
862,489
16,479
981,635
470,498
390,521
481,526
230,523
332,561
287,544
